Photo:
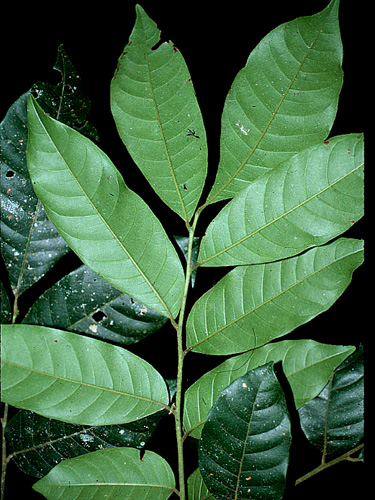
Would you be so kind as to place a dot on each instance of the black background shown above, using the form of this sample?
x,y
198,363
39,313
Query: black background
x,y
215,38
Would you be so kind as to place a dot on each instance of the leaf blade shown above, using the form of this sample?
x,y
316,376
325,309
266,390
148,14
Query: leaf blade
x,y
102,473
294,72
97,214
158,117
51,372
255,304
245,449
305,201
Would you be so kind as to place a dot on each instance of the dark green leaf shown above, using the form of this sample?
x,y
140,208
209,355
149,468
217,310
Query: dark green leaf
x,y
283,101
244,451
83,302
30,244
37,443
5,306
116,473
182,242
77,379
334,420
110,227
158,118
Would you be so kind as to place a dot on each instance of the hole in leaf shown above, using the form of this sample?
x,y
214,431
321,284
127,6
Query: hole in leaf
x,y
10,174
98,316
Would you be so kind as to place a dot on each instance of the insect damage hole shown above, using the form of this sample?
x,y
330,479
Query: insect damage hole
x,y
98,316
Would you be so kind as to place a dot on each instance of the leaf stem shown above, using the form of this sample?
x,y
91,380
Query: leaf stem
x,y
325,465
4,460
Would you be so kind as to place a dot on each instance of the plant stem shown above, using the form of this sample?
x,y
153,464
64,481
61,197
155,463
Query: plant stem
x,y
325,465
4,461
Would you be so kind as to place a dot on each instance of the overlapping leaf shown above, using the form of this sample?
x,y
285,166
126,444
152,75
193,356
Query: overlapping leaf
x,y
158,118
307,365
283,101
37,443
253,305
197,490
111,229
244,451
83,302
112,473
334,420
306,201
77,379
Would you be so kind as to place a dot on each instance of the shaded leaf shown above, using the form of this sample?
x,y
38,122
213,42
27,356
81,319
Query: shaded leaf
x,y
38,443
30,245
158,118
334,420
66,101
244,451
307,366
5,306
114,472
306,201
253,305
83,302
197,490
109,227
283,101
183,242
77,379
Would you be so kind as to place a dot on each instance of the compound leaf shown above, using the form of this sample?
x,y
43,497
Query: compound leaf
x,y
77,379
112,473
111,229
306,201
83,302
244,450
253,305
307,366
334,420
283,100
158,118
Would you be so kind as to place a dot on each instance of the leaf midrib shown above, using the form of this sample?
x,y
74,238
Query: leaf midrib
x,y
276,219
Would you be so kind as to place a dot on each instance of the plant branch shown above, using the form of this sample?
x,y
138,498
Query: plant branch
x,y
4,460
325,465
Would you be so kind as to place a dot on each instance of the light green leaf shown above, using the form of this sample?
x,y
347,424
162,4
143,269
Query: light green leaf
x,y
306,201
244,450
77,379
158,118
113,473
283,101
307,366
253,305
197,490
109,226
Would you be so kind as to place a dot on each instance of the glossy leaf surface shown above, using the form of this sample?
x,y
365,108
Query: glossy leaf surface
x,y
306,201
38,443
30,245
77,379
244,451
283,101
158,118
113,473
334,420
83,302
253,305
108,226
307,366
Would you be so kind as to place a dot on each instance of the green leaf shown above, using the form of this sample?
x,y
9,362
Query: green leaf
x,y
183,242
306,201
37,443
283,101
83,302
307,366
253,305
334,420
113,473
244,451
197,490
30,245
158,118
110,227
77,379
